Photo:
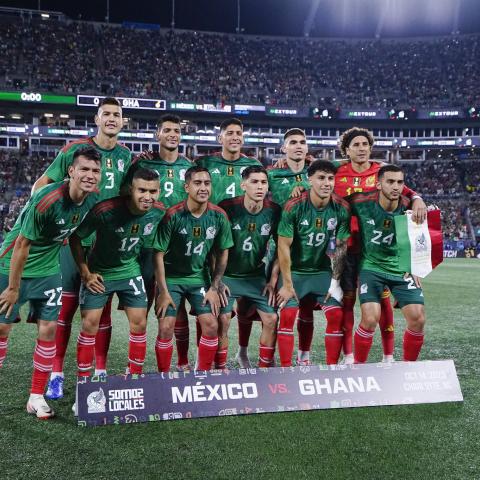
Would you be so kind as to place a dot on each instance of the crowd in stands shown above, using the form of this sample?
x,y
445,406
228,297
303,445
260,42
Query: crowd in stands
x,y
217,68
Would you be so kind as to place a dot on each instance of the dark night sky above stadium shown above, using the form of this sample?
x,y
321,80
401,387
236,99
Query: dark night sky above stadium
x,y
357,18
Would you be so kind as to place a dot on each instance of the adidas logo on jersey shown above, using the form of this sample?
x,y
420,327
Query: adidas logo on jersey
x,y
215,170
183,231
60,222
371,221
285,180
119,230
237,227
304,222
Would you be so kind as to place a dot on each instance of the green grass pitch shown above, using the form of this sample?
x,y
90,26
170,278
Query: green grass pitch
x,y
438,441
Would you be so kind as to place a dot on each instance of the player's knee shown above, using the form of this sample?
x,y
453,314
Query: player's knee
x,y
166,327
209,326
5,329
416,319
269,321
46,330
369,321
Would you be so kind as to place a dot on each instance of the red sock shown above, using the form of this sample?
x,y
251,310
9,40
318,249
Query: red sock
x,y
221,358
206,352
182,334
137,348
244,329
3,349
85,353
363,343
163,352
386,326
43,356
305,326
333,334
348,322
285,335
199,331
104,334
64,328
265,356
412,344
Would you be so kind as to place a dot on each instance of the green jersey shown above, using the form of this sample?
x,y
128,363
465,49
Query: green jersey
x,y
226,175
282,181
115,164
48,219
312,230
172,177
251,233
120,236
377,232
187,240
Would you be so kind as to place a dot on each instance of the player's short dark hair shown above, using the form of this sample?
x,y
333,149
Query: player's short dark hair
x,y
109,101
91,153
193,170
253,169
168,117
388,168
294,131
146,174
230,121
321,166
350,134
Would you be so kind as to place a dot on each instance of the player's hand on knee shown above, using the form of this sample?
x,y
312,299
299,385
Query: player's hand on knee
x,y
213,299
285,294
164,300
223,293
8,298
94,282
269,292
419,211
335,291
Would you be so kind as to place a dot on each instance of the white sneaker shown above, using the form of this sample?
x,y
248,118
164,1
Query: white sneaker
x,y
347,359
37,405
243,360
388,359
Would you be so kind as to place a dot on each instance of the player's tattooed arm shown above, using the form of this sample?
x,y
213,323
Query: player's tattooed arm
x,y
9,296
338,259
221,260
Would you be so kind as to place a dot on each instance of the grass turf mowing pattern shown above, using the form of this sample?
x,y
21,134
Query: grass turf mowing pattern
x,y
399,442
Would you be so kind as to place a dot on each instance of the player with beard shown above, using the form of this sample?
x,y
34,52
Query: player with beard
x,y
116,160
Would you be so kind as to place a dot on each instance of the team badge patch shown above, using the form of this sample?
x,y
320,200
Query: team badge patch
x,y
331,223
108,163
343,179
197,231
356,181
148,229
75,218
370,181
210,233
298,178
230,171
252,227
121,165
318,223
135,228
387,223
265,230
181,174
169,173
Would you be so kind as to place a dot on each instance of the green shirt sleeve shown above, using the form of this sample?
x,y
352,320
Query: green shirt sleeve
x,y
58,169
224,239
33,223
343,230
285,227
163,235
91,222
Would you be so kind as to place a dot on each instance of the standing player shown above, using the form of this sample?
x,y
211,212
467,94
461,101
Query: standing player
x,y
313,224
379,264
115,163
123,225
189,231
360,175
171,166
29,263
254,222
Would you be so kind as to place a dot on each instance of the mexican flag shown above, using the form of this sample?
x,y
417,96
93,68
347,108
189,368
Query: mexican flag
x,y
420,247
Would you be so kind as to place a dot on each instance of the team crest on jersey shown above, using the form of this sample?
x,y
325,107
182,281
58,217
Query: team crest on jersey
x,y
318,223
181,174
108,163
298,178
148,229
75,218
370,181
252,227
387,223
230,171
135,228
331,223
210,233
356,181
197,231
343,179
169,173
265,230
121,165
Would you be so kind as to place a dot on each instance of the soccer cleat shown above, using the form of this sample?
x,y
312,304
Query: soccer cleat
x,y
55,388
243,360
388,359
184,368
303,363
37,405
347,359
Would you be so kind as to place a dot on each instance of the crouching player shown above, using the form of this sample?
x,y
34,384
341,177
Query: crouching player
x,y
29,263
314,225
188,233
379,265
253,221
123,224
